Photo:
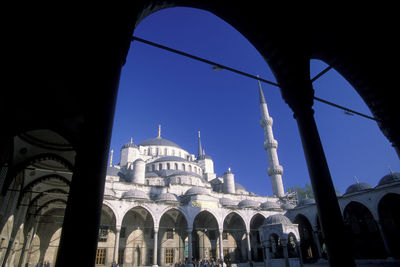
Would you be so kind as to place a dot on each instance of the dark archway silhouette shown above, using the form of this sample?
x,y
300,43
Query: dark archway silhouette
x,y
389,217
366,240
308,247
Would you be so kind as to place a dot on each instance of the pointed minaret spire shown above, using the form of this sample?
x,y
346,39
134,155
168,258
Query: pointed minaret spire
x,y
111,157
159,131
200,150
260,92
270,144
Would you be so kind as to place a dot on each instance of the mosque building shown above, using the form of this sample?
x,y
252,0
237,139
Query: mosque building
x,y
163,205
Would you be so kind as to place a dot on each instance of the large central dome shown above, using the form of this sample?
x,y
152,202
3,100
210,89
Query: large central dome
x,y
158,142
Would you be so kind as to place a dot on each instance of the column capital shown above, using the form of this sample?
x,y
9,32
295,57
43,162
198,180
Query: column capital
x,y
189,230
155,229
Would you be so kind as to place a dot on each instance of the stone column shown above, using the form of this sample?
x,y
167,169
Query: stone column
x,y
384,239
116,244
221,245
298,94
299,252
285,252
317,243
267,254
190,251
155,254
248,247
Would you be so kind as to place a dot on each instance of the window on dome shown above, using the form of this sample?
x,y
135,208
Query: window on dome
x,y
149,151
165,151
183,167
160,166
157,151
176,166
168,166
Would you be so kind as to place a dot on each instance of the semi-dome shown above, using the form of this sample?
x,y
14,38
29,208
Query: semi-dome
x,y
197,190
134,193
277,219
227,202
167,197
288,206
158,142
306,201
269,205
248,203
169,158
392,177
357,187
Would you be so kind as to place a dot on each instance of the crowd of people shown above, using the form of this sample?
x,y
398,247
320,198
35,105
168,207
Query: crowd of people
x,y
204,263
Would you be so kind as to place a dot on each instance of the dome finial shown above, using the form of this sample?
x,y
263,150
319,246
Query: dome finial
x,y
111,157
159,131
131,140
229,169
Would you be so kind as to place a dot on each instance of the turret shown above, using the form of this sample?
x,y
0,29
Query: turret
x,y
139,168
129,153
206,163
228,186
270,144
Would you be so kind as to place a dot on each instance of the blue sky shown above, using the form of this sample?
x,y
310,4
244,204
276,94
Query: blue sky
x,y
184,96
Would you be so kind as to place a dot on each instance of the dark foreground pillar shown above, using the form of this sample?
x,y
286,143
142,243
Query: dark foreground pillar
x,y
79,235
337,240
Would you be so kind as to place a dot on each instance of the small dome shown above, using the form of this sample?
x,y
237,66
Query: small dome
x,y
277,219
248,203
169,158
269,205
357,187
197,190
129,145
167,197
158,142
239,187
227,202
392,177
135,193
306,201
288,206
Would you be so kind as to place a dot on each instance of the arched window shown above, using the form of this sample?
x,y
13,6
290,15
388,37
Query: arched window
x,y
149,151
183,167
157,151
168,166
165,151
176,166
160,166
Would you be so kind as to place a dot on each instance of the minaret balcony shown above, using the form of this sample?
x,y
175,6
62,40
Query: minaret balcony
x,y
268,144
275,170
266,122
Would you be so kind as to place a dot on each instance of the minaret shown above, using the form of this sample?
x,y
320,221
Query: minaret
x,y
270,144
200,150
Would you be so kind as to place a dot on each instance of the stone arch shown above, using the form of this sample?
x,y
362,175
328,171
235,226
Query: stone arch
x,y
366,240
32,160
308,248
115,211
256,243
236,233
172,235
389,218
205,235
136,236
